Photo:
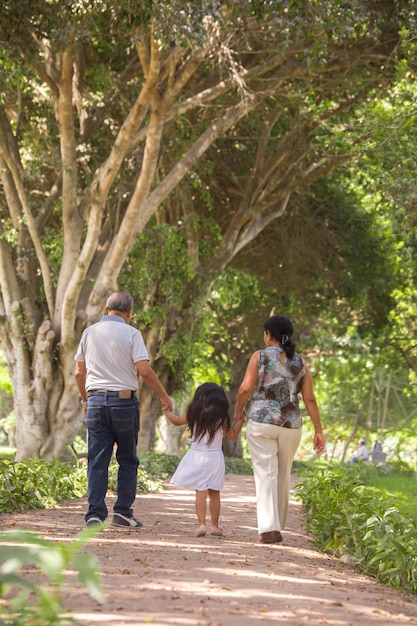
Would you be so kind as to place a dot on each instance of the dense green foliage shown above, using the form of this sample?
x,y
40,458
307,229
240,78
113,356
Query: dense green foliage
x,y
350,519
43,604
38,484
341,264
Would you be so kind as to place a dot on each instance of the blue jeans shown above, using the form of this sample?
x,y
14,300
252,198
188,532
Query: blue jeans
x,y
112,420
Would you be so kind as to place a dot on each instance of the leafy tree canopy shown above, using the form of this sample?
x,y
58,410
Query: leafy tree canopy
x,y
107,111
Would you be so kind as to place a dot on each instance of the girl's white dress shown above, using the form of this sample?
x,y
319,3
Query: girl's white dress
x,y
202,467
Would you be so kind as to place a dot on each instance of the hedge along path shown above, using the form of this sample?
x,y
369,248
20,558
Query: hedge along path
x,y
163,575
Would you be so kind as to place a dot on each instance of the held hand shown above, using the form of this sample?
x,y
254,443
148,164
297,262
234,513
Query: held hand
x,y
175,419
240,416
170,416
167,405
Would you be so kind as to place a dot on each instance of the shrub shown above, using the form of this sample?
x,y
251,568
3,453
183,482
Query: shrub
x,y
158,464
235,465
347,517
39,483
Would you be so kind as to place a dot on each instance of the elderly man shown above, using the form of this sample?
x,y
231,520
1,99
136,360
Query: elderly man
x,y
110,356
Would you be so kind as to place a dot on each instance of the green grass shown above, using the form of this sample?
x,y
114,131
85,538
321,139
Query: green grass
x,y
7,453
401,490
395,481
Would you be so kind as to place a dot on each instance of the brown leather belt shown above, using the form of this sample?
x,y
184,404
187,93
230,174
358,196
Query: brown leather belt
x,y
124,394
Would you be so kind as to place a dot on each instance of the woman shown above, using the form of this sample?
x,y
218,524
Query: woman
x,y
274,378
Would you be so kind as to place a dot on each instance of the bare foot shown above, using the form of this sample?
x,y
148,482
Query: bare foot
x,y
217,532
201,531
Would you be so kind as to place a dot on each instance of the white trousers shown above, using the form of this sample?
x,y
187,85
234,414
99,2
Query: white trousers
x,y
272,449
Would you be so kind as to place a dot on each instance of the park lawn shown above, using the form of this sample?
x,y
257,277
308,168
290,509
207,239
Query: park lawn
x,y
402,490
7,453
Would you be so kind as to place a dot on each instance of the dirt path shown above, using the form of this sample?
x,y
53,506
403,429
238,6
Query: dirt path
x,y
162,575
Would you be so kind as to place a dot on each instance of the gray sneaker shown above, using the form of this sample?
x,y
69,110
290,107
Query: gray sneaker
x,y
94,521
125,521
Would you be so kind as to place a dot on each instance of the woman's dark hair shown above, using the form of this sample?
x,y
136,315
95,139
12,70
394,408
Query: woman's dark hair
x,y
281,330
208,411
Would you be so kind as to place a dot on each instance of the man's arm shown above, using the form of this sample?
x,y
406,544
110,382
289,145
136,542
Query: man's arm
x,y
152,380
80,379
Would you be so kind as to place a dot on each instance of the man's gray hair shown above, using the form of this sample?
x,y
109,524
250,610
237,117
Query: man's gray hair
x,y
120,301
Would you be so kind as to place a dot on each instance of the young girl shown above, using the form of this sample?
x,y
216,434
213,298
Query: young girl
x,y
202,467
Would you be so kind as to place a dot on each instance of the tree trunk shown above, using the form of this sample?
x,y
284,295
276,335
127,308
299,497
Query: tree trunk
x,y
50,393
352,435
150,411
169,437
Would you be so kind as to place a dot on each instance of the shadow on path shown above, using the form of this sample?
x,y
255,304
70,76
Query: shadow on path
x,y
163,575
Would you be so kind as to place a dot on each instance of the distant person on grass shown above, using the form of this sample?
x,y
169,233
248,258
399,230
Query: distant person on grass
x,y
377,447
202,467
362,454
110,356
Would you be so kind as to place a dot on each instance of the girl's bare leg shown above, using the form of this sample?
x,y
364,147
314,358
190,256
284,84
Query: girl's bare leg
x,y
214,497
201,507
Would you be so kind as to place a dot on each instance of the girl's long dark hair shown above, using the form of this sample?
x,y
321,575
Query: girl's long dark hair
x,y
208,411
